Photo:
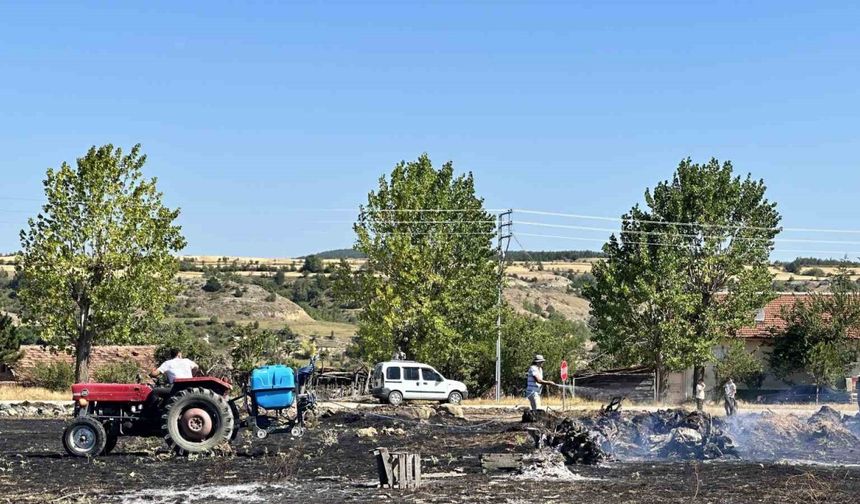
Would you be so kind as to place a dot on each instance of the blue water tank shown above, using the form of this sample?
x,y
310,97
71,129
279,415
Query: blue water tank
x,y
273,387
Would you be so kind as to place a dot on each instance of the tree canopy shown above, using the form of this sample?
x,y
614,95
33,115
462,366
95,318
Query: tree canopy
x,y
556,338
97,263
685,271
820,335
429,286
10,341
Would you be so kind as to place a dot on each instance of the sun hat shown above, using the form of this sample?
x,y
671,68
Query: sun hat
x,y
538,358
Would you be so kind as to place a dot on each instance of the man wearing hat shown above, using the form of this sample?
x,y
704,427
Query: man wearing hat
x,y
535,382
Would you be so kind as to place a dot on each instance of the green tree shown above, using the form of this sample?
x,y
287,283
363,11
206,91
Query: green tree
x,y
254,348
429,286
819,335
213,284
739,365
523,336
686,271
10,341
97,262
280,277
312,264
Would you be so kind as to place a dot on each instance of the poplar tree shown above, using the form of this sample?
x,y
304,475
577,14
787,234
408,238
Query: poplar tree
x,y
686,271
97,262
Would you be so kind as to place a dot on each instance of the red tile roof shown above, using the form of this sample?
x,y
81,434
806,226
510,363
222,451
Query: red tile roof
x,y
773,322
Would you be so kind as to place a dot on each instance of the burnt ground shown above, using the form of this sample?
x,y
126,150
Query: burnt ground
x,y
331,463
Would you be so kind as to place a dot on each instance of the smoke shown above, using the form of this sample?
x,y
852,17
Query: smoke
x,y
675,434
826,436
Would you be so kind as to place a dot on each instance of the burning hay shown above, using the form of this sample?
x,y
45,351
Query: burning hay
x,y
825,435
661,434
681,435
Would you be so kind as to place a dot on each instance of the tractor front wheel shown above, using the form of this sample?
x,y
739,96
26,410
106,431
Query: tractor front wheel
x,y
84,437
197,420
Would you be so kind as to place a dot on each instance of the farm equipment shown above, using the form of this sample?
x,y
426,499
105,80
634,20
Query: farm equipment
x,y
193,415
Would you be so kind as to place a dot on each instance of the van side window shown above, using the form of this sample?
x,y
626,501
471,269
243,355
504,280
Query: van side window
x,y
430,375
410,373
392,373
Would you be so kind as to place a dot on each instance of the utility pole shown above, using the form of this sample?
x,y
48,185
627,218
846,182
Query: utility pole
x,y
504,240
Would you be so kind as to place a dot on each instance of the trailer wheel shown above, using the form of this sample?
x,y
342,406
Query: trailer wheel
x,y
197,420
84,437
395,398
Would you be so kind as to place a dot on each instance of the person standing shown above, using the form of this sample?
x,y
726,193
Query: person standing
x,y
535,382
700,395
731,390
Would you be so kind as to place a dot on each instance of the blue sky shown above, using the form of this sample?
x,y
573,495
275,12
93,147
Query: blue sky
x,y
251,111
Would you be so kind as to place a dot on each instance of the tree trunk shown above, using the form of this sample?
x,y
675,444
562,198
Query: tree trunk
x,y
698,374
83,347
82,360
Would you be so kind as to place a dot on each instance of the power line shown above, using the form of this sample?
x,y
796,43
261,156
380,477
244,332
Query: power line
x,y
677,223
391,210
410,222
746,238
578,238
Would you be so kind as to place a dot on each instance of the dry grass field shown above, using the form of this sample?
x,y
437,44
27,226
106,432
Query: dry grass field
x,y
17,393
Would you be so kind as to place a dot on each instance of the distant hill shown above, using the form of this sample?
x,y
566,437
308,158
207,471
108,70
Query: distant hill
x,y
340,254
552,255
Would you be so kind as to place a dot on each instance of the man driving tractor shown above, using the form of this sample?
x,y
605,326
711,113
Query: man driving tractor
x,y
175,367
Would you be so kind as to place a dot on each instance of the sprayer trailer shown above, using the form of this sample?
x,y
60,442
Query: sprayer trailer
x,y
193,415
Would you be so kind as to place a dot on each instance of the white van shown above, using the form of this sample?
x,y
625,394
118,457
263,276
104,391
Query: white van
x,y
396,381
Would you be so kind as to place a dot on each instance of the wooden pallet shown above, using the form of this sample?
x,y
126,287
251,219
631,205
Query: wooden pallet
x,y
398,469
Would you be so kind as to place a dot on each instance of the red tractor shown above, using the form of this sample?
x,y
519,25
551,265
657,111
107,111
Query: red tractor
x,y
193,415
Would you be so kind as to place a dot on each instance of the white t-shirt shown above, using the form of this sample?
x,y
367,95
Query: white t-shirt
x,y
731,390
532,386
177,368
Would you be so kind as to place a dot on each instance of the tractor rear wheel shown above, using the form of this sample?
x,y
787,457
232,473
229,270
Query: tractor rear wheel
x,y
197,420
110,444
84,437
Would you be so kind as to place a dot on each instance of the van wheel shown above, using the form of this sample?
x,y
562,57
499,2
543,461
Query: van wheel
x,y
455,397
395,398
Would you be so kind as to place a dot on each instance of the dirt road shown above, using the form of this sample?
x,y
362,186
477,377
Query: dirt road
x,y
333,464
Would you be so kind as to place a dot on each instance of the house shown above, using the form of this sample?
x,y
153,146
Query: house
x,y
758,337
34,355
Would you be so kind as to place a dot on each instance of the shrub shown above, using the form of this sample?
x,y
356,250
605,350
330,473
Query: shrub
x,y
53,375
213,284
815,272
118,372
191,346
271,297
253,348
